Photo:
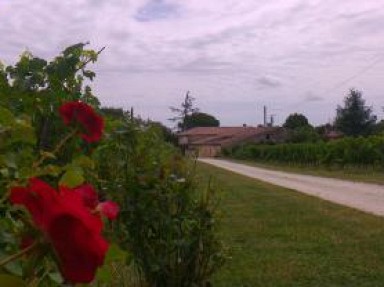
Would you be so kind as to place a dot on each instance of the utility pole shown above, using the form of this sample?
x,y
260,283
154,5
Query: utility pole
x,y
265,116
272,120
132,115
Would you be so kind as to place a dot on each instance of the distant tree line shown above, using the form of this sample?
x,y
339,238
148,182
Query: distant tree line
x,y
353,119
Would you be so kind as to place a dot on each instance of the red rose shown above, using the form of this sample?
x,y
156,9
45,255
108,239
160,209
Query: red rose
x,y
109,209
90,198
87,193
80,113
73,231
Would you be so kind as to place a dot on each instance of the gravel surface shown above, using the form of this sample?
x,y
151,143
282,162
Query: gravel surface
x,y
362,196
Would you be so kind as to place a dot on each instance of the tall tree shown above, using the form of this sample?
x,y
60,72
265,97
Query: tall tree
x,y
186,109
296,120
299,129
199,119
355,118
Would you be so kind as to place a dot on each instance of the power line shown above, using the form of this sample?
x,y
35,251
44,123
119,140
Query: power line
x,y
364,70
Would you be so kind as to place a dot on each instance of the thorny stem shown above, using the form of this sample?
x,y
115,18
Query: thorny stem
x,y
18,254
44,156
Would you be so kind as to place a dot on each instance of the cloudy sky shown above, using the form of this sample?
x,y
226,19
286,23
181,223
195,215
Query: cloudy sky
x,y
234,56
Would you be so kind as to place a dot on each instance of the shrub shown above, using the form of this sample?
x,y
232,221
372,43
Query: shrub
x,y
167,222
344,152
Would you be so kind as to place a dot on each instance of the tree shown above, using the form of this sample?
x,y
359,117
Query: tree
x,y
355,118
185,110
199,119
299,129
296,120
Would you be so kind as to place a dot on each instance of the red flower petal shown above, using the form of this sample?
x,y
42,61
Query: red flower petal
x,y
38,197
80,251
87,193
84,115
109,209
73,231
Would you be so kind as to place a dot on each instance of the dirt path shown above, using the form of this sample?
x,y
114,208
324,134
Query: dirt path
x,y
362,196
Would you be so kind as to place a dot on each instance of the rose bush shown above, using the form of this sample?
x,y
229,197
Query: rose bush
x,y
68,224
69,219
82,115
58,168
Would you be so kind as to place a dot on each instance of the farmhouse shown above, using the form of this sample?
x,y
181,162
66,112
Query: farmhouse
x,y
209,141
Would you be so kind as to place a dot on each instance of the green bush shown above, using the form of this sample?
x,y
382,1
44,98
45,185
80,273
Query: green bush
x,y
167,222
359,152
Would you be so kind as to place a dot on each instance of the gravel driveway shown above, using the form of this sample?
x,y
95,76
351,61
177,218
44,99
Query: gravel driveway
x,y
362,196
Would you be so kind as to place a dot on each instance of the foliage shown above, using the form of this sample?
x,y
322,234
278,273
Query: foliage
x,y
167,222
302,135
323,130
186,109
344,152
166,133
355,118
116,113
36,88
199,119
299,130
379,128
167,228
295,121
53,218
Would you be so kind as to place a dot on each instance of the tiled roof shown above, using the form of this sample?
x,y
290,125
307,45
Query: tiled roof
x,y
223,135
219,130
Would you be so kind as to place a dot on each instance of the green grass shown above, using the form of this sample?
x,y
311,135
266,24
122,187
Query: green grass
x,y
278,237
368,175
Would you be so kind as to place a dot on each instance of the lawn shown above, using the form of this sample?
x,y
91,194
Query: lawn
x,y
278,237
366,174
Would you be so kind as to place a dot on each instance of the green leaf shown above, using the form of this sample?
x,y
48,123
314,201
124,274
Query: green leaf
x,y
4,172
10,160
56,277
72,177
11,281
114,255
84,162
6,117
23,132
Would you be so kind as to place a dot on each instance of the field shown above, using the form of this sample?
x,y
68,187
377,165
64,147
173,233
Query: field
x,y
368,175
278,237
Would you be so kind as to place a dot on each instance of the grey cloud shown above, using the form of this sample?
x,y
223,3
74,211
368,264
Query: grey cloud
x,y
240,47
268,82
155,10
204,64
311,97
226,35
